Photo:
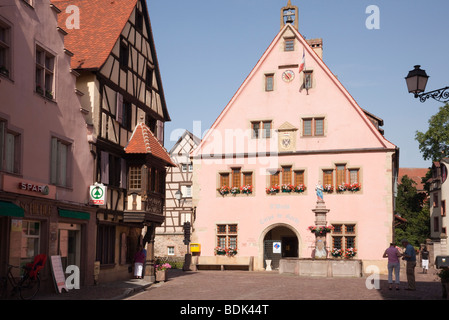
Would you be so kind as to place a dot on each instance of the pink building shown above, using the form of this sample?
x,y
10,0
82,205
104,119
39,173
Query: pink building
x,y
289,127
44,150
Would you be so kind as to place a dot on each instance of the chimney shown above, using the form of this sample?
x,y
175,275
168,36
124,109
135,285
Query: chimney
x,y
317,46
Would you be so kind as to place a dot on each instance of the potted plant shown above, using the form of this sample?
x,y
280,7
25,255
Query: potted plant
x,y
287,188
49,94
219,251
341,187
161,271
328,188
354,187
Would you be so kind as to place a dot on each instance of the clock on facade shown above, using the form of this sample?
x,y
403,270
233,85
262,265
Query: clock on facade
x,y
288,75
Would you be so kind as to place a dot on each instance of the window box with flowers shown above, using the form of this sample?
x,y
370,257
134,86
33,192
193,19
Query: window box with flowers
x,y
350,253
230,252
321,230
224,190
220,251
337,253
287,188
300,188
248,189
354,187
328,188
273,189
235,190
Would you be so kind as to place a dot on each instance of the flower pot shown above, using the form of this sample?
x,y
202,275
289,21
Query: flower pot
x,y
161,275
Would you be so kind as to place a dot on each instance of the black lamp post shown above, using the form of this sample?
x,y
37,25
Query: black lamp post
x,y
416,84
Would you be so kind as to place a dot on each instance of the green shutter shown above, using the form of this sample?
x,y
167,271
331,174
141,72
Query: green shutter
x,y
74,214
11,210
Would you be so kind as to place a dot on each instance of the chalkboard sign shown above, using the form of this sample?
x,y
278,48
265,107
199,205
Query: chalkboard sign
x,y
58,273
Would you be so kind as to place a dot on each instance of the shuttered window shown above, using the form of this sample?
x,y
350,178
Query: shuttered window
x,y
60,163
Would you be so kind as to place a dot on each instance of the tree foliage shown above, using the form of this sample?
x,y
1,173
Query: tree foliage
x,y
414,207
434,143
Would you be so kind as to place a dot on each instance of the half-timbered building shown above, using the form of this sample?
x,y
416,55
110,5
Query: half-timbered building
x,y
125,111
178,210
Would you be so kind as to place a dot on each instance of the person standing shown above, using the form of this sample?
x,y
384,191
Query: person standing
x,y
139,260
393,254
425,260
409,256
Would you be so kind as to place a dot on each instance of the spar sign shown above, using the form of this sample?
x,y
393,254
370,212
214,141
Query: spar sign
x,y
97,194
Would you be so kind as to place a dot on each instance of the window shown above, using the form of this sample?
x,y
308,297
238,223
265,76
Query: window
x,y
313,127
171,251
286,175
227,235
340,173
236,177
299,177
435,200
135,177
105,244
269,82
139,20
224,179
186,167
436,224
274,178
126,115
186,191
31,233
353,176
9,149
45,69
247,178
289,44
343,236
60,162
328,177
443,208
124,55
308,79
5,51
258,126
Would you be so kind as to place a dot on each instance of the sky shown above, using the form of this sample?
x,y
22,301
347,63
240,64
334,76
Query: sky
x,y
206,49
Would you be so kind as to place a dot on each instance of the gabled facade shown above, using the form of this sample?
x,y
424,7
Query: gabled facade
x,y
45,159
290,126
125,109
178,200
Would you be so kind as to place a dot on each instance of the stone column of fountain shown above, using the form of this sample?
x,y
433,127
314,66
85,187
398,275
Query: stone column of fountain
x,y
320,211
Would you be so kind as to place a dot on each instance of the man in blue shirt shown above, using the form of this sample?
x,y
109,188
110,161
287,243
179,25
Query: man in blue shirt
x,y
409,256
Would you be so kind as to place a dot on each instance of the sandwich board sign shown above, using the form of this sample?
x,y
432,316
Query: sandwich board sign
x,y
58,273
97,194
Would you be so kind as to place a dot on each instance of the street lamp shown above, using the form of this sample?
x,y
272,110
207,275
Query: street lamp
x,y
416,83
178,196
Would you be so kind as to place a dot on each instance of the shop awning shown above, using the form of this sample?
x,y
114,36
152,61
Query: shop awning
x,y
10,209
74,214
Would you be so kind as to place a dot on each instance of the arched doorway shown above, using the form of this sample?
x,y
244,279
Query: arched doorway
x,y
277,242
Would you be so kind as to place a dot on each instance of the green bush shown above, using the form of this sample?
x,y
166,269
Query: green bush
x,y
175,262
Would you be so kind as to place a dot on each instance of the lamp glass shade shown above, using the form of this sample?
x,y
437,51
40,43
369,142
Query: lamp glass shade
x,y
416,80
178,195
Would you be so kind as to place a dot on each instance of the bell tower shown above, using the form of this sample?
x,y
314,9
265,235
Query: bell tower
x,y
289,14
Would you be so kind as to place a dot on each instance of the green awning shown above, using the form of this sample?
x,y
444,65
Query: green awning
x,y
74,214
10,210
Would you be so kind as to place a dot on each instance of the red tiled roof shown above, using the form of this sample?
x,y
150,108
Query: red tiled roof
x,y
143,141
416,174
101,22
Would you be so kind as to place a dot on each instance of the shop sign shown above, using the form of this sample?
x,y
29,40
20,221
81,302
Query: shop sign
x,y
97,194
277,247
43,189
